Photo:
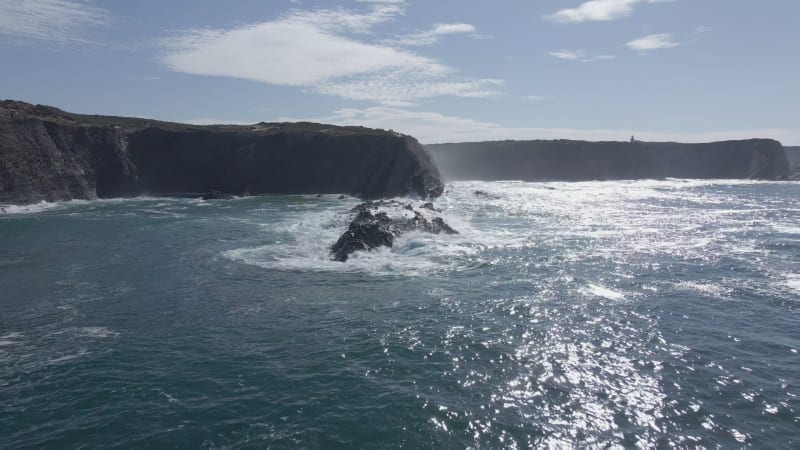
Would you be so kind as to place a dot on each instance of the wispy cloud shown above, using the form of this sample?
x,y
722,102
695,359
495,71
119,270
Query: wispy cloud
x,y
652,42
432,35
579,56
145,78
533,98
325,51
432,127
597,10
56,21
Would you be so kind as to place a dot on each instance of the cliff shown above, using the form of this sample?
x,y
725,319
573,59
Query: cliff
x,y
580,160
49,154
793,154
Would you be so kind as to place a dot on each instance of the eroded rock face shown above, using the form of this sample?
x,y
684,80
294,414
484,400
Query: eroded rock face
x,y
376,224
49,154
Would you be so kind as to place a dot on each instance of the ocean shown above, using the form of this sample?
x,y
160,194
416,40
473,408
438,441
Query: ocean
x,y
593,314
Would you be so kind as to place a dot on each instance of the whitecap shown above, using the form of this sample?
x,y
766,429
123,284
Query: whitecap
x,y
793,282
32,208
302,241
96,332
709,289
602,291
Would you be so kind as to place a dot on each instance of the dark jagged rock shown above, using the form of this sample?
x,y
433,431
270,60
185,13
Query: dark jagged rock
x,y
49,154
372,227
485,195
430,206
580,160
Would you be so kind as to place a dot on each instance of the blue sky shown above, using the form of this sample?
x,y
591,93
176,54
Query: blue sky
x,y
441,70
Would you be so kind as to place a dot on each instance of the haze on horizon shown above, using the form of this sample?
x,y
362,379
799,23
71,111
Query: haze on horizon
x,y
443,71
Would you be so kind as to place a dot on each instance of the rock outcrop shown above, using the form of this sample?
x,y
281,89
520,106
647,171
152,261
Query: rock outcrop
x,y
49,154
580,160
377,224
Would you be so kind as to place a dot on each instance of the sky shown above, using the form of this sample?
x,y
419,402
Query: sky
x,y
440,70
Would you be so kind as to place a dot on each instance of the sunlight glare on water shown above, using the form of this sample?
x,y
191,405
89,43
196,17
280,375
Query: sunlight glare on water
x,y
597,314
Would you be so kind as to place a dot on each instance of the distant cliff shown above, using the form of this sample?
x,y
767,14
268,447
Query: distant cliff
x,y
49,154
581,160
793,154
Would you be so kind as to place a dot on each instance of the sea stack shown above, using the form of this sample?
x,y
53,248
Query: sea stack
x,y
52,155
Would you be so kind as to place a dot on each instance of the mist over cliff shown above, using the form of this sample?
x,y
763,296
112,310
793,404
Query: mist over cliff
x,y
49,154
581,160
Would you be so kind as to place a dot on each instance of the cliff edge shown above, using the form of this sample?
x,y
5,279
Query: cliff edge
x,y
49,154
569,160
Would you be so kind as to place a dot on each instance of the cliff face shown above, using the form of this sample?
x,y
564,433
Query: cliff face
x,y
48,154
581,160
793,154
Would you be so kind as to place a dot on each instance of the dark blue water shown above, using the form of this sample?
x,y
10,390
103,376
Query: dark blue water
x,y
586,314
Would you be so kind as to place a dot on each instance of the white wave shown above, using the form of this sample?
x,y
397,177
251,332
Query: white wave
x,y
68,357
87,332
33,208
793,282
12,335
43,206
786,229
302,242
9,339
96,332
412,254
598,290
608,220
710,289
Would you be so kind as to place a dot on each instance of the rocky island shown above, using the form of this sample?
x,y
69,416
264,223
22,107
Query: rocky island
x,y
569,160
47,154
377,224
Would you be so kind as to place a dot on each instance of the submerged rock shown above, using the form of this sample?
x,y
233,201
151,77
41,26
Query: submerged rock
x,y
373,227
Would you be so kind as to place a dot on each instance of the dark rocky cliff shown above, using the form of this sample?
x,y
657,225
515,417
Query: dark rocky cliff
x,y
793,153
581,160
49,154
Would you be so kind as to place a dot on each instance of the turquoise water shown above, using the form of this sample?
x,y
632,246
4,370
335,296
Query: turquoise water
x,y
647,313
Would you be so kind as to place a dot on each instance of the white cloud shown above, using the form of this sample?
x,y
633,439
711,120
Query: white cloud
x,y
406,86
652,42
597,10
432,36
318,50
432,127
579,55
59,21
533,98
